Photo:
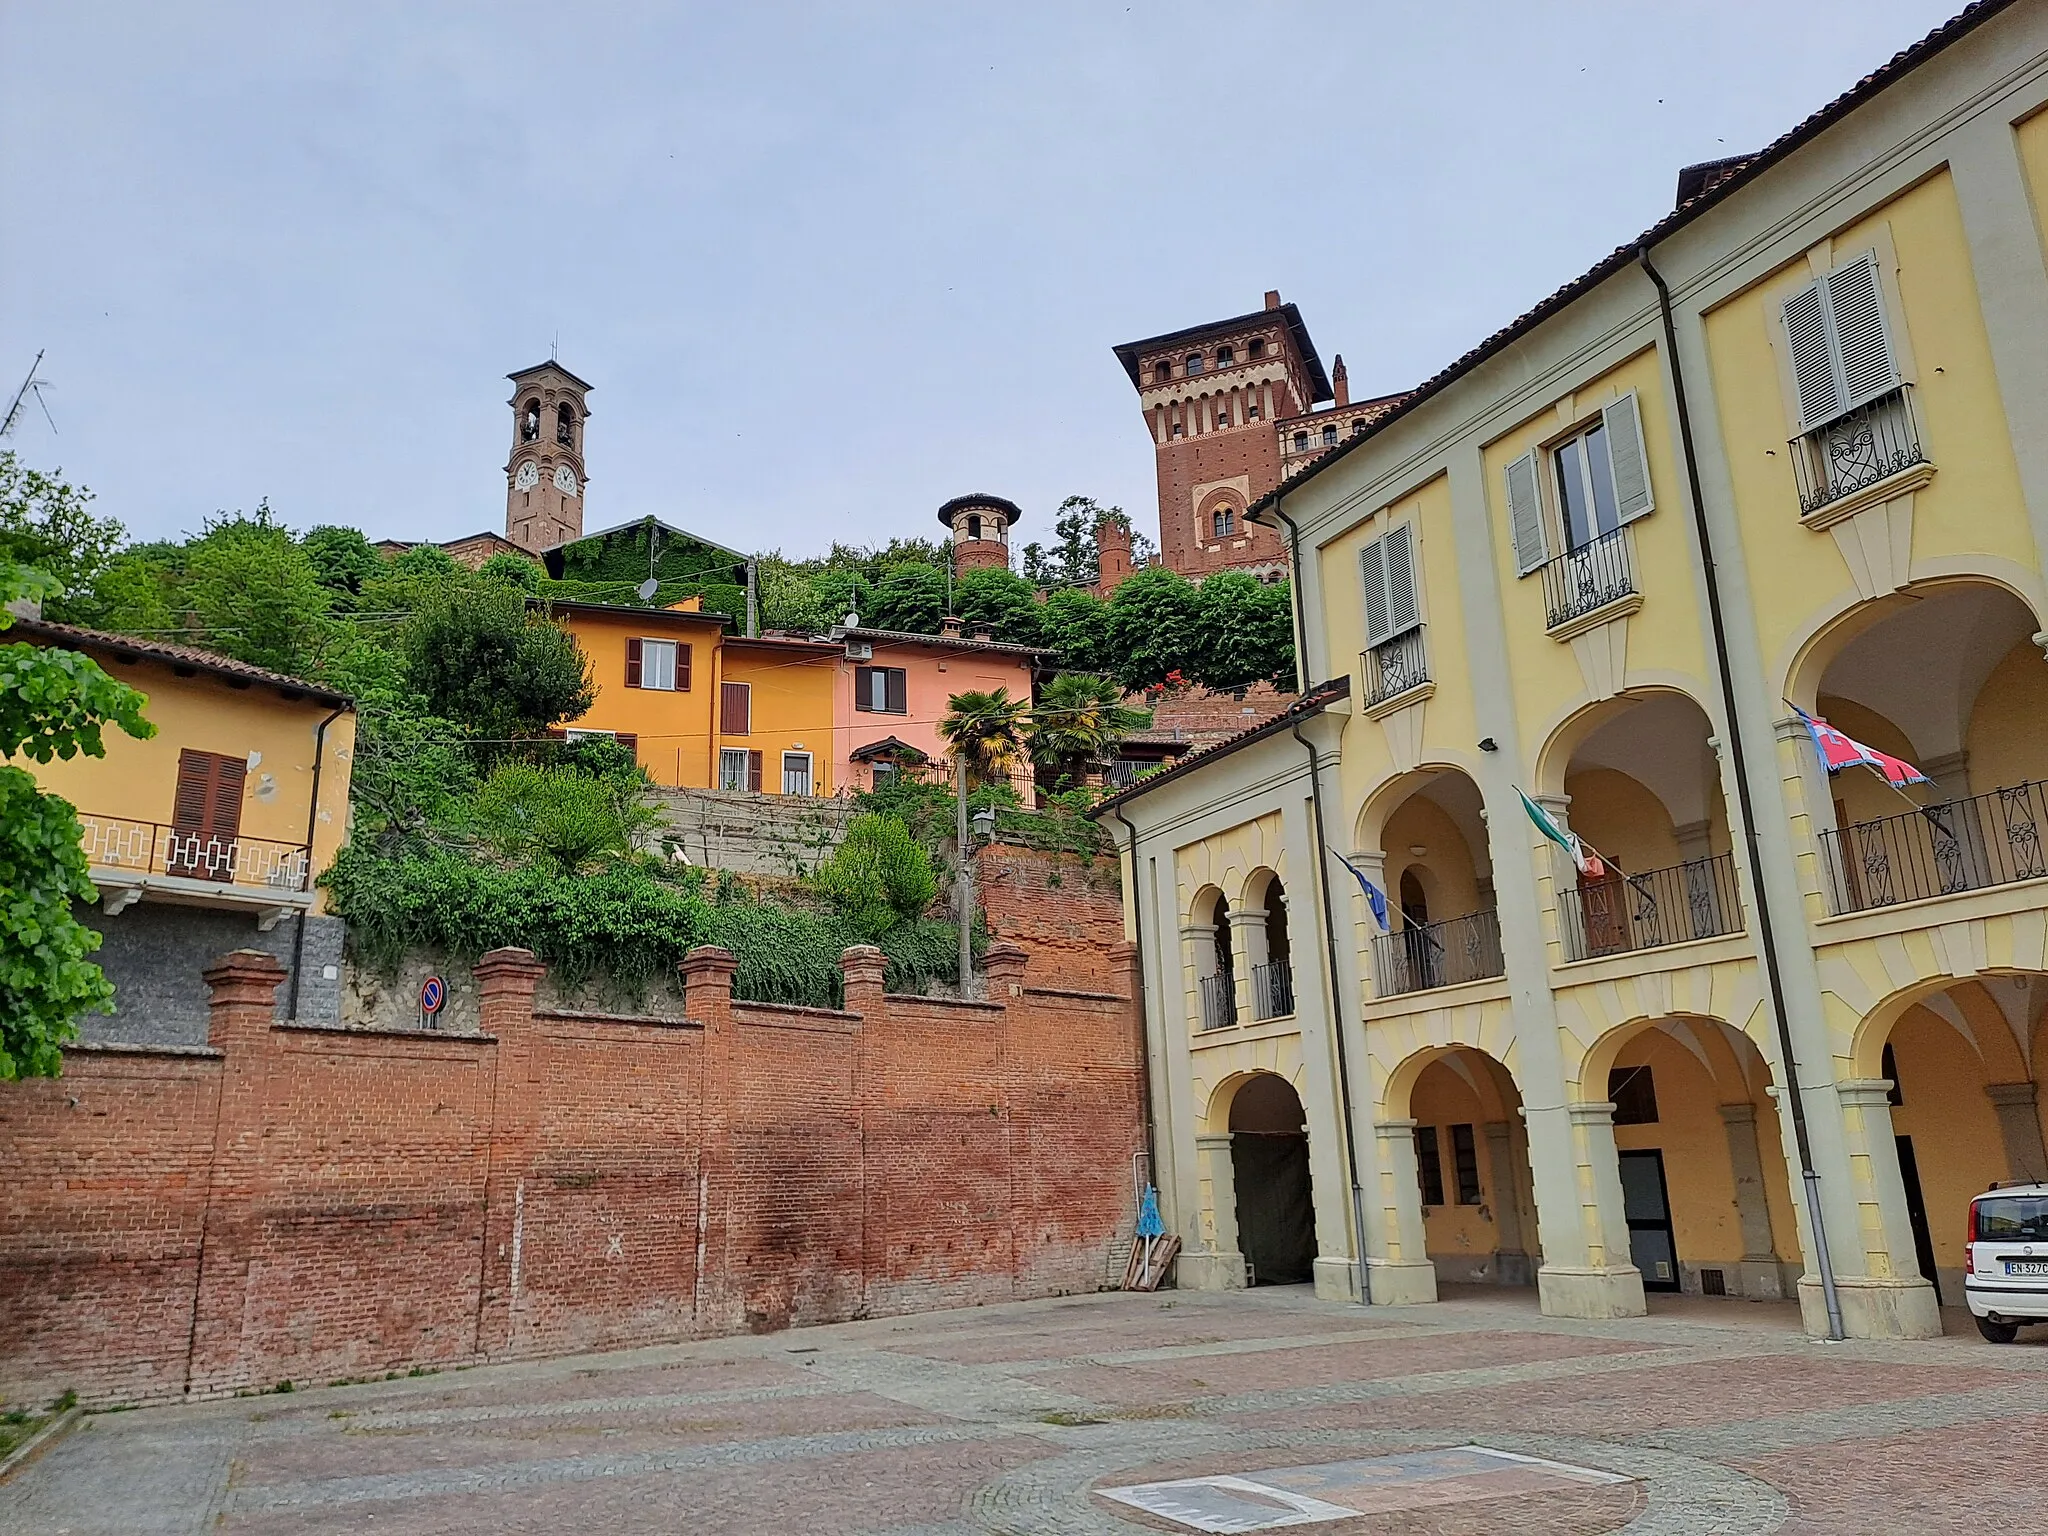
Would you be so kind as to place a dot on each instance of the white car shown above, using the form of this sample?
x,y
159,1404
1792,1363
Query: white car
x,y
2005,1264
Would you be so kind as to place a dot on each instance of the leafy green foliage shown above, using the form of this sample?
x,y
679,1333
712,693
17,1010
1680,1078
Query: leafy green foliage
x,y
562,815
1246,633
512,570
609,568
908,598
48,525
997,599
987,728
53,703
879,876
476,653
1075,623
342,561
1078,721
255,592
1155,626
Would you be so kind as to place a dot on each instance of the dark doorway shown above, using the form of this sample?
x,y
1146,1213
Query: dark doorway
x,y
1276,1225
1646,1203
1916,1213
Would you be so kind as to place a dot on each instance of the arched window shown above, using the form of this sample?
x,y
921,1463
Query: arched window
x,y
1161,372
529,421
1301,442
565,426
1222,413
1194,364
1225,356
974,525
1224,521
1330,436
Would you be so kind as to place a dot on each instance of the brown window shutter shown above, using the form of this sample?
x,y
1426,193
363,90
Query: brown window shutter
x,y
864,689
630,740
192,807
735,707
229,777
682,668
754,771
899,702
632,663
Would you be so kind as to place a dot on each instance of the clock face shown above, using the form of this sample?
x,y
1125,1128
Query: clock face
x,y
565,480
528,476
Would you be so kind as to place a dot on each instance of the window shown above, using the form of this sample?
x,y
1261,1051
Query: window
x,y
1225,357
1330,436
1429,1168
735,709
565,426
1222,415
206,815
529,421
881,690
1194,364
796,773
739,768
1251,411
1257,348
1841,354
1223,522
1358,427
1465,1163
572,735
1387,569
1600,480
974,525
1633,1094
659,664
1180,429
1161,372
885,773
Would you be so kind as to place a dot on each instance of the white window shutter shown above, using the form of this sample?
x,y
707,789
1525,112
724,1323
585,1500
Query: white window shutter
x,y
1372,564
1525,513
1856,311
1630,463
1813,358
1403,613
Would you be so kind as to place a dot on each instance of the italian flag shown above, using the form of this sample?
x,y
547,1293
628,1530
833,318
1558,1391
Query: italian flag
x,y
1588,863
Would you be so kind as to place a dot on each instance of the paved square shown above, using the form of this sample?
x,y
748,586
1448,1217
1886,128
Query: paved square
x,y
1041,1418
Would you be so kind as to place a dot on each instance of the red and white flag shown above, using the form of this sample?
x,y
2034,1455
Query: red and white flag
x,y
1839,750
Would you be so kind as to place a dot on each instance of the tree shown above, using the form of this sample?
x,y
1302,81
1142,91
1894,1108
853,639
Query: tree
x,y
1075,623
1155,626
342,561
1078,721
879,876
480,656
562,815
997,599
511,570
254,592
1245,633
910,598
987,729
47,525
53,703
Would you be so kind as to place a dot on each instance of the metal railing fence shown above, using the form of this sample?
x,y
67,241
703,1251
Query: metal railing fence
x,y
151,848
1583,580
1272,990
1394,666
1939,850
1459,949
1694,900
1873,442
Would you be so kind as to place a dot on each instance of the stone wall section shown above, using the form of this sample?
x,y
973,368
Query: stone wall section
x,y
311,1203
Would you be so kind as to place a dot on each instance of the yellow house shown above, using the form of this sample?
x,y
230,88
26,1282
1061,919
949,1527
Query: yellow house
x,y
657,684
775,715
1786,451
207,836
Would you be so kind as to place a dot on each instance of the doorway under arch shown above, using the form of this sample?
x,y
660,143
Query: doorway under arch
x,y
1472,1166
1276,1224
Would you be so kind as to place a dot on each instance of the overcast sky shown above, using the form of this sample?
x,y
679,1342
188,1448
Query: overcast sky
x,y
825,265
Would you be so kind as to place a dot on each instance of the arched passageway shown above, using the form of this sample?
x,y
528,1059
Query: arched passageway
x,y
1425,845
1276,1227
1472,1171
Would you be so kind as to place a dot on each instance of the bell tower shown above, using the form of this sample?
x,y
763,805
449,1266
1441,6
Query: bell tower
x,y
544,480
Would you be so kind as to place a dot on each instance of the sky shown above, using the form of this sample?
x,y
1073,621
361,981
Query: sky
x,y
825,265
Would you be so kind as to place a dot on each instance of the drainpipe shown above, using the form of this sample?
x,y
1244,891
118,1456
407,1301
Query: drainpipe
x,y
291,1006
1144,1028
1766,933
1336,982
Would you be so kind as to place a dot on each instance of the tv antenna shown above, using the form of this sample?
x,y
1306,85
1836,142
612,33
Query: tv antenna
x,y
29,385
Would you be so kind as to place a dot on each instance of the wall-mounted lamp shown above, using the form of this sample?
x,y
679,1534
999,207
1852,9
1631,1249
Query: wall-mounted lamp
x,y
1488,744
984,823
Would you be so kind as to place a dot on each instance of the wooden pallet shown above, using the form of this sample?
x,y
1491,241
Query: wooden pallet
x,y
1138,1275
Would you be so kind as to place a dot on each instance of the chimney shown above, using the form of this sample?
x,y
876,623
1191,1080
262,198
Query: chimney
x,y
1340,381
949,628
1272,298
983,635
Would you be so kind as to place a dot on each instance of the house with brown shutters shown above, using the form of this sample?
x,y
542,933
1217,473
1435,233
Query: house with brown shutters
x,y
209,836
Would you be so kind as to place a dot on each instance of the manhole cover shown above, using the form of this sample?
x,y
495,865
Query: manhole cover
x,y
1344,1490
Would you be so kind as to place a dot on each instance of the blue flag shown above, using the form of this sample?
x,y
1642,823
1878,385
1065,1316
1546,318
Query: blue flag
x,y
1374,896
1149,1224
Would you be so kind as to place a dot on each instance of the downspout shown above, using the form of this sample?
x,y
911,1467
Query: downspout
x,y
1766,934
1336,981
291,1006
1144,1026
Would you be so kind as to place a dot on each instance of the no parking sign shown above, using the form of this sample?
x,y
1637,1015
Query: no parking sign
x,y
433,993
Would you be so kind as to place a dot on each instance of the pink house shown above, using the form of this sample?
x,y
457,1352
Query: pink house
x,y
893,689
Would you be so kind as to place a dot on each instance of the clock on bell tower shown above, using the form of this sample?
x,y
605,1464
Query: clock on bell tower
x,y
544,481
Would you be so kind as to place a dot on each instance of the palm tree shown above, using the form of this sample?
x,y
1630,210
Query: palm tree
x,y
987,730
1079,720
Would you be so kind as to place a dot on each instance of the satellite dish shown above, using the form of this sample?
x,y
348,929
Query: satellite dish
x,y
646,589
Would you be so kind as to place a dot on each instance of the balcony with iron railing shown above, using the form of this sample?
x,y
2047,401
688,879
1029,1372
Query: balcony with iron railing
x,y
1939,850
1446,954
1393,667
1272,990
1872,444
1694,900
1581,582
124,847
1219,1001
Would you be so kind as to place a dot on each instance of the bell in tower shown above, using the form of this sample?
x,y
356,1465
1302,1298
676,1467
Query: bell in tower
x,y
544,479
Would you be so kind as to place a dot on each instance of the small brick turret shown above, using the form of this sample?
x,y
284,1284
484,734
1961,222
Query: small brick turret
x,y
1113,551
981,530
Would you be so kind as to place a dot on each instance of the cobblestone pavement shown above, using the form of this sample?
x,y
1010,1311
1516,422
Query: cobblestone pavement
x,y
1004,1419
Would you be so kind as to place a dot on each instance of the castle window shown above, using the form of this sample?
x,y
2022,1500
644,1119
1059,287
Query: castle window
x,y
974,525
1194,364
1301,442
1225,356
565,426
1358,427
1222,415
1330,437
1162,372
1251,412
1257,348
1223,521
529,421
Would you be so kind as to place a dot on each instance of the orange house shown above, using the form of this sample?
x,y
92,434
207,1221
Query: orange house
x,y
775,700
657,684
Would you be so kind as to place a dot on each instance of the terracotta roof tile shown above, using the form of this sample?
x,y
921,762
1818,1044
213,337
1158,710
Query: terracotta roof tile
x,y
71,635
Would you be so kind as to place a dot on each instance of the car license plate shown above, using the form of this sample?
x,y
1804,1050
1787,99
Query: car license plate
x,y
2026,1266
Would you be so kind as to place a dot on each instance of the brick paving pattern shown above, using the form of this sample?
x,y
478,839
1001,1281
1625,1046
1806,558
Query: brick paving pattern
x,y
1002,1421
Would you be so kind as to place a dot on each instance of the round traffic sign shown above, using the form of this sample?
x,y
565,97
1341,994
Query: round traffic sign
x,y
432,995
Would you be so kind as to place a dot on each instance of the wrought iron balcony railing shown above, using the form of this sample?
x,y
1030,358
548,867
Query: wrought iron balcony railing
x,y
1442,954
150,848
1873,442
1272,990
1395,666
1939,850
1219,1001
1694,900
1584,580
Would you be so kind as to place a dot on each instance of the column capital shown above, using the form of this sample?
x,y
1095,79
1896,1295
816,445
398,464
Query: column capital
x,y
1212,1141
2009,1093
1738,1114
1598,1113
1865,1092
1394,1127
1249,916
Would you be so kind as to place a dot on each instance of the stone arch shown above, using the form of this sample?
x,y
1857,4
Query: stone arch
x,y
1995,1050
1581,719
1383,799
1270,1201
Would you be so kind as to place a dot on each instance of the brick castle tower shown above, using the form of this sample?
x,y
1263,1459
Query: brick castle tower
x,y
981,530
1232,410
544,479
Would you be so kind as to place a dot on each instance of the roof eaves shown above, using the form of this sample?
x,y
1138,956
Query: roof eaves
x,y
1312,703
173,655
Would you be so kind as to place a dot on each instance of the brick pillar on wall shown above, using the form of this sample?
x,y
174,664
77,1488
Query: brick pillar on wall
x,y
1003,965
707,1001
506,980
242,1004
865,969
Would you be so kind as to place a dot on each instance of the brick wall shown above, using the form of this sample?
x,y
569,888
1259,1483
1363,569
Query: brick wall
x,y
1065,911
311,1202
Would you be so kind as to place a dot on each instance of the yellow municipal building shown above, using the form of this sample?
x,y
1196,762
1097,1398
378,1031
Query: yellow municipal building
x,y
1786,452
